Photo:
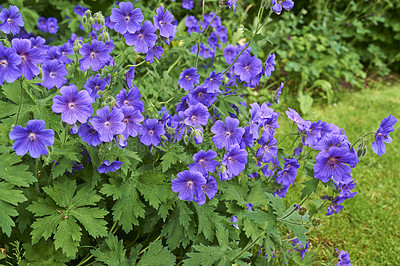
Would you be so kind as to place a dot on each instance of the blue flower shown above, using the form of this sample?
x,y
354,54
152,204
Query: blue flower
x,y
196,115
11,20
107,167
34,138
235,160
203,162
269,65
151,132
143,39
382,135
227,134
95,55
132,98
89,134
188,78
163,22
126,19
108,123
247,67
54,74
9,61
188,185
278,4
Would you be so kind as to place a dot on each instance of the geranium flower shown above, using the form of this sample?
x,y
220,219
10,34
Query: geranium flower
x,y
151,132
34,138
382,135
163,22
188,185
143,39
188,78
126,19
107,167
9,61
227,134
54,74
108,123
203,162
11,20
95,55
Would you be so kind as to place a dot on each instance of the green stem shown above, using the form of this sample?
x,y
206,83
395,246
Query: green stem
x,y
290,213
360,138
248,246
198,39
20,102
236,58
174,64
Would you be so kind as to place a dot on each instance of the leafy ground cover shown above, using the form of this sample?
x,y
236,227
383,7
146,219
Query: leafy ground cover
x,y
368,226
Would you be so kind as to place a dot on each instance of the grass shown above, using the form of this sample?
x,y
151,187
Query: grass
x,y
369,225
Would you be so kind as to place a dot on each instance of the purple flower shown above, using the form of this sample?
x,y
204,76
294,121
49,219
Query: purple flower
x,y
210,188
187,4
51,54
267,149
33,139
53,74
203,162
382,135
156,52
80,10
200,95
95,84
151,132
279,92
30,57
107,167
52,25
132,119
344,259
269,65
132,98
230,52
235,160
298,246
73,105
163,22
89,134
287,176
330,140
108,123
213,82
249,206
231,4
332,164
126,19
196,115
188,78
278,4
42,24
143,39
227,134
189,184
63,51
39,43
9,61
11,20
95,55
314,133
247,67
234,219
300,122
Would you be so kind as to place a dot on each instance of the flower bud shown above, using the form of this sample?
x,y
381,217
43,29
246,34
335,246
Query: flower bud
x,y
302,211
186,139
84,19
91,21
316,222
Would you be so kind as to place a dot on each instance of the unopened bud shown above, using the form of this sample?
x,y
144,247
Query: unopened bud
x,y
316,222
84,19
302,211
186,139
91,21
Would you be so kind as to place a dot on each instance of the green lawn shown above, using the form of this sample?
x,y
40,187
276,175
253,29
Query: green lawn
x,y
369,225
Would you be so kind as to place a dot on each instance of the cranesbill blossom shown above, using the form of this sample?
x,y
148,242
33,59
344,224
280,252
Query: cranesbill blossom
x,y
213,82
268,150
227,134
132,98
108,123
73,105
333,164
187,4
279,92
95,55
344,259
382,135
330,140
30,57
210,188
94,84
156,52
231,4
132,119
300,122
51,54
230,52
200,95
235,160
52,25
196,115
42,24
39,44
63,51
298,246
314,133
287,176
89,134
188,78
80,10
54,74
126,18
163,22
203,162
269,65
278,4
151,132
107,167
11,20
189,184
9,61
34,138
143,39
247,67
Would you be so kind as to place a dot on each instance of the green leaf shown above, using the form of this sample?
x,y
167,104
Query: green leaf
x,y
310,186
128,206
43,253
60,212
152,181
306,102
213,255
157,255
174,154
111,252
259,216
208,220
